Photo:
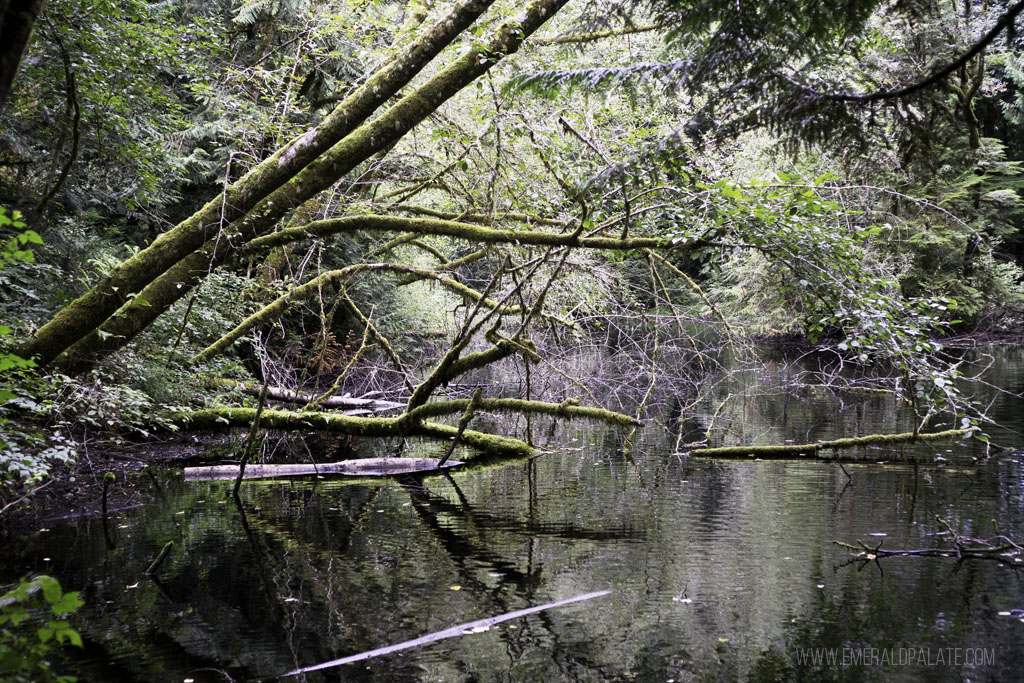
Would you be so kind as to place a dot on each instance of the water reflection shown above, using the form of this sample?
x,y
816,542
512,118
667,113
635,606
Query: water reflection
x,y
718,570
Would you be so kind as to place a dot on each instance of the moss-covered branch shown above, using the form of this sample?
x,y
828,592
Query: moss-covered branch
x,y
459,230
567,409
215,418
74,321
487,219
276,308
813,449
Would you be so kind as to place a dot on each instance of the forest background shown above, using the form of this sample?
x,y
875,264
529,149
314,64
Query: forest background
x,y
572,209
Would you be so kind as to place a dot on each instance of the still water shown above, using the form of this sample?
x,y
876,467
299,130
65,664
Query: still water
x,y
717,570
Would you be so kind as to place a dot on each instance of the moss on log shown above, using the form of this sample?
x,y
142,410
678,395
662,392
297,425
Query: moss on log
x,y
215,418
812,449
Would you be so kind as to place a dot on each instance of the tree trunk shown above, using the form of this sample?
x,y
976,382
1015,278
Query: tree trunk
x,y
86,313
75,322
17,17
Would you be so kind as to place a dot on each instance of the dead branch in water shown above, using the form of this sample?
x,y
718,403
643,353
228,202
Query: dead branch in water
x,y
998,547
472,627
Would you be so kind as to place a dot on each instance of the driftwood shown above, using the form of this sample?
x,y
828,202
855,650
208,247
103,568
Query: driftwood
x,y
350,405
812,449
999,548
365,467
470,628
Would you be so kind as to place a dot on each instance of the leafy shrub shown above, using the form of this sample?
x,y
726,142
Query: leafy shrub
x,y
24,655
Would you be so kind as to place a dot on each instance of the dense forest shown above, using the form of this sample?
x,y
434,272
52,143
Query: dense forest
x,y
456,225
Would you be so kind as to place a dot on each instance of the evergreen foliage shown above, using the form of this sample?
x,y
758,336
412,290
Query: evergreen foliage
x,y
320,172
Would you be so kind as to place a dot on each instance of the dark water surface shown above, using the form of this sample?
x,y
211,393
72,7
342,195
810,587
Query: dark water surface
x,y
718,570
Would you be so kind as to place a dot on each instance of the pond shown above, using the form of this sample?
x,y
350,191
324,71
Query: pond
x,y
716,570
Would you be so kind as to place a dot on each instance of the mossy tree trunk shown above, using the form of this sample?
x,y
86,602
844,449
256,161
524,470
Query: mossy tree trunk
x,y
80,327
86,313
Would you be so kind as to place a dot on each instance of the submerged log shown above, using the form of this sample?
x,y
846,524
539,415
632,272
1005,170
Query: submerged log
x,y
812,449
471,628
365,467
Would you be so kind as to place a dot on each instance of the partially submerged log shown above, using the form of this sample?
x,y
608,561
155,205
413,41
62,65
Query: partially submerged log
x,y
350,405
213,418
471,628
407,424
365,467
813,449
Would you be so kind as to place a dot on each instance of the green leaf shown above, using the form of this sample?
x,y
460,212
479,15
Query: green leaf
x,y
50,587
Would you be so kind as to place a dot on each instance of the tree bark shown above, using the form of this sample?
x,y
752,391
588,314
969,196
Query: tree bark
x,y
17,17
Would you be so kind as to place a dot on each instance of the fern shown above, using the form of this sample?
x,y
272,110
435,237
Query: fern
x,y
549,83
1014,109
250,11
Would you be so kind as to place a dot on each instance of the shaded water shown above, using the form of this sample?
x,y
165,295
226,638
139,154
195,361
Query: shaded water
x,y
718,570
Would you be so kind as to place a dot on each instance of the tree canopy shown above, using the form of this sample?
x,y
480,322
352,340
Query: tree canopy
x,y
330,197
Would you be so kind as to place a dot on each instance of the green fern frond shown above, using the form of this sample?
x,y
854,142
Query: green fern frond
x,y
250,11
549,83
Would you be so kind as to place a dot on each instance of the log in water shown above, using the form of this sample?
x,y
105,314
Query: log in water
x,y
365,467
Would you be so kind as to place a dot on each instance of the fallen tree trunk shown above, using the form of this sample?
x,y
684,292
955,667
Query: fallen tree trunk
x,y
366,467
214,418
812,449
472,627
280,394
407,424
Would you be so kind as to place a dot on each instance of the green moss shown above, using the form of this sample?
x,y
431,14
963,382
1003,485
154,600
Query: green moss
x,y
213,418
813,449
